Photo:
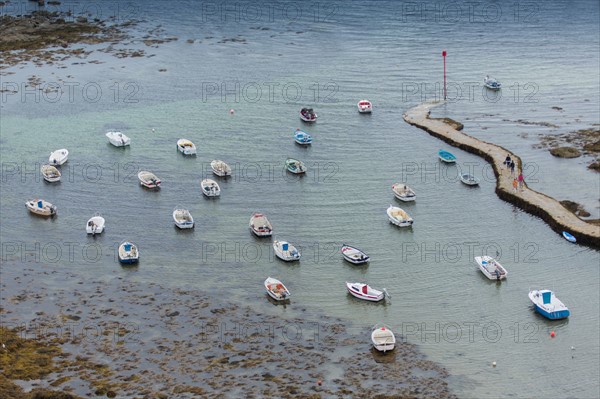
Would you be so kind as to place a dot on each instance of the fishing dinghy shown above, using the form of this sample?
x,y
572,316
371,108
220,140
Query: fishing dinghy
x,y
148,179
276,289
220,168
186,147
399,217
95,225
469,179
354,255
364,107
548,305
118,139
365,292
41,207
50,173
403,192
295,166
183,218
128,253
260,225
285,251
210,188
308,115
383,338
59,157
491,268
302,138
446,156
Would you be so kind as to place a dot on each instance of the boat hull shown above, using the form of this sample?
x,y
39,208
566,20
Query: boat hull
x,y
220,168
554,310
128,257
556,315
291,255
276,290
47,209
348,253
383,339
97,227
569,237
58,157
260,226
482,261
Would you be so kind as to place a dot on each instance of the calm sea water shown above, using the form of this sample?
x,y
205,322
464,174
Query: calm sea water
x,y
329,56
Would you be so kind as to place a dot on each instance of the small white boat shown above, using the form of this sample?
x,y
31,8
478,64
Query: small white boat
x,y
41,207
308,115
118,139
128,253
50,173
403,192
95,225
383,338
491,268
491,83
260,225
210,188
354,255
399,217
220,168
148,179
186,147
469,179
569,237
59,157
548,305
276,289
302,138
285,251
364,107
364,292
295,166
183,218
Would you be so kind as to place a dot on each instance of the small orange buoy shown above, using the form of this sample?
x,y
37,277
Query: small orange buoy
x,y
552,334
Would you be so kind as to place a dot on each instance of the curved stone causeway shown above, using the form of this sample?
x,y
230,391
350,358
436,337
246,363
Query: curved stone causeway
x,y
547,208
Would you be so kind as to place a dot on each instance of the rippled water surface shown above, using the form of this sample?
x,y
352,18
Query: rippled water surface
x,y
328,57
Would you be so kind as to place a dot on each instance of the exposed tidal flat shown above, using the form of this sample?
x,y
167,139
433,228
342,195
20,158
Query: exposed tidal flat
x,y
185,88
118,338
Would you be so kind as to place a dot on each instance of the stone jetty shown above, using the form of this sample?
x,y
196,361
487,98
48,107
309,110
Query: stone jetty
x,y
547,208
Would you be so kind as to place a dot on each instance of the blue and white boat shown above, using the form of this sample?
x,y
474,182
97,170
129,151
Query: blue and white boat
x,y
569,237
128,253
286,251
446,156
548,305
302,138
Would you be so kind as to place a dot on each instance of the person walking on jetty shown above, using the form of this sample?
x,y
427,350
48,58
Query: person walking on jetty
x,y
512,167
521,180
515,185
507,161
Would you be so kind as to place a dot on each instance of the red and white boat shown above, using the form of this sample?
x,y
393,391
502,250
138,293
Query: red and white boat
x,y
364,292
308,115
260,225
148,179
365,107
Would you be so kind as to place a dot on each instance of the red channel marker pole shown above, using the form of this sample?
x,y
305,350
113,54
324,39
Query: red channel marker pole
x,y
444,55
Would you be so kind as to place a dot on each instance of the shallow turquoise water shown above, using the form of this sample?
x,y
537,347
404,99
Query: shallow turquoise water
x,y
439,299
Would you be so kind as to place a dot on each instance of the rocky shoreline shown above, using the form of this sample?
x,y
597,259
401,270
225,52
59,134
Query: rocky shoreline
x,y
126,339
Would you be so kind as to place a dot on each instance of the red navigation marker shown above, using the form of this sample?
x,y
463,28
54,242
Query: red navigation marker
x,y
444,55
